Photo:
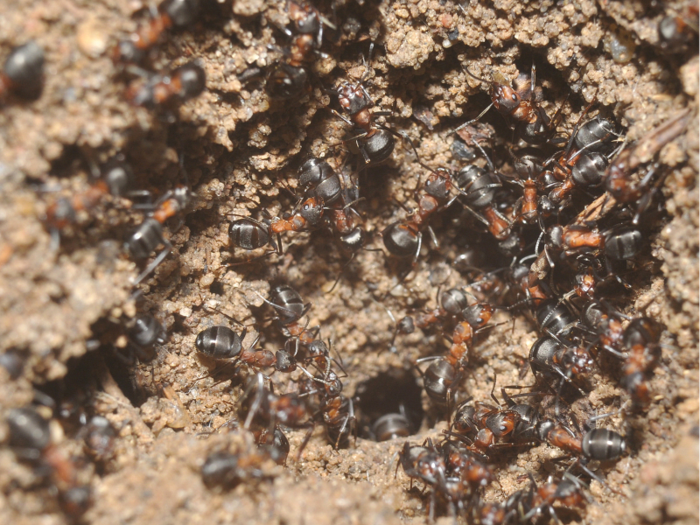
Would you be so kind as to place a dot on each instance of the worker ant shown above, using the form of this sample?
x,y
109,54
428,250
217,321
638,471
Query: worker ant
x,y
288,76
30,438
479,187
250,234
154,91
115,178
373,142
169,14
521,103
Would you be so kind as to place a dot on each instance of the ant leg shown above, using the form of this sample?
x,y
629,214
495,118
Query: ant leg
x,y
343,118
468,123
256,403
305,442
156,262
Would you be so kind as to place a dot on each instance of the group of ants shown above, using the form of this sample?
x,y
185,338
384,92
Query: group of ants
x,y
565,187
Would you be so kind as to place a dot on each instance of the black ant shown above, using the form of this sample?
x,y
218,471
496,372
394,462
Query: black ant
x,y
23,72
170,13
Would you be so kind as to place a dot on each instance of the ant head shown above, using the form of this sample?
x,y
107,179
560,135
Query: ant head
x,y
312,210
305,18
505,98
579,361
352,98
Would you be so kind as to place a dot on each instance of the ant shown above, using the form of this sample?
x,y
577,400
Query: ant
x,y
425,463
149,235
551,357
338,414
520,103
597,444
484,425
288,78
23,72
249,234
641,340
275,444
99,438
290,308
620,243
272,409
323,182
390,426
466,467
225,469
170,13
487,426
220,342
617,181
30,437
583,168
374,142
404,238
183,83
531,207
478,186
454,303
566,492
115,178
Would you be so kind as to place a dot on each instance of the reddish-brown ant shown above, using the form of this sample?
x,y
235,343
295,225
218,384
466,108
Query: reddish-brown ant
x,y
184,83
149,235
478,186
249,234
566,492
617,180
30,437
288,77
170,13
374,142
404,238
678,32
520,103
115,178
426,464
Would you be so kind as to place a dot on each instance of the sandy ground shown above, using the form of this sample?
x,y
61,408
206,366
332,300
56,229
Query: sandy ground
x,y
240,150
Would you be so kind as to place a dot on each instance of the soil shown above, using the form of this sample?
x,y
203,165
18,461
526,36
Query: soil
x,y
65,306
